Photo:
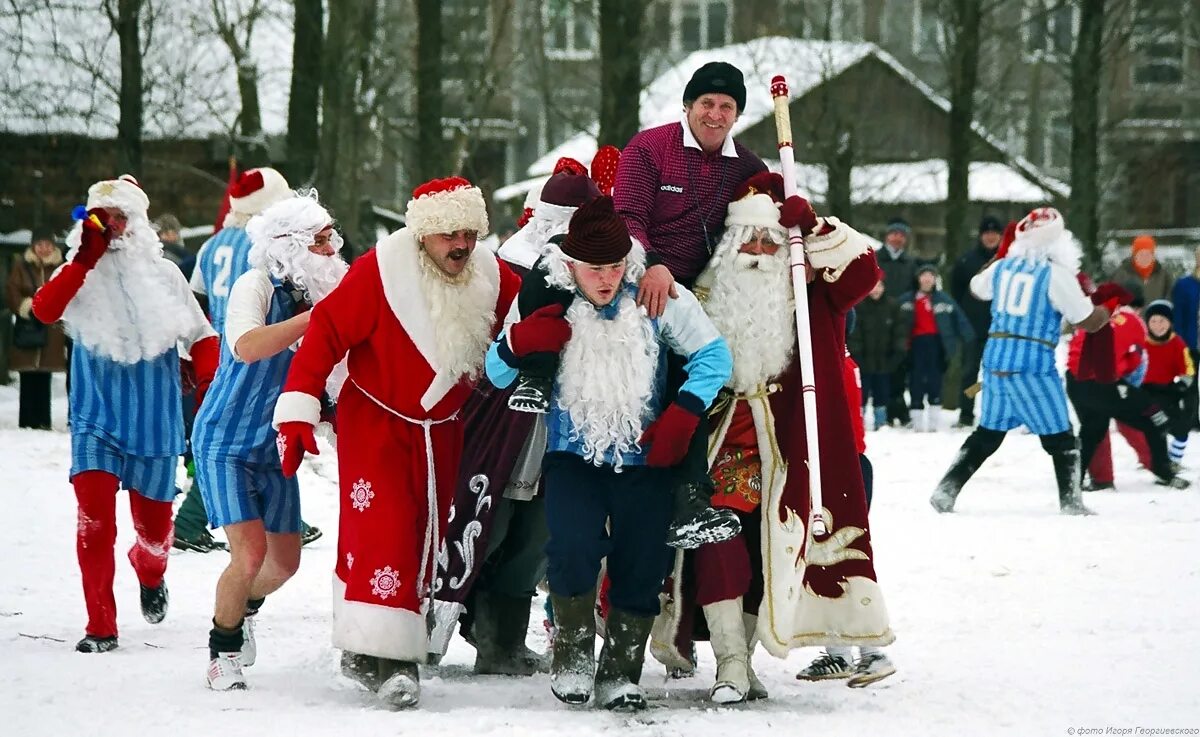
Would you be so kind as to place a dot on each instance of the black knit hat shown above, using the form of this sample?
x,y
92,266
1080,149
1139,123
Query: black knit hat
x,y
899,224
717,76
1160,307
990,224
596,235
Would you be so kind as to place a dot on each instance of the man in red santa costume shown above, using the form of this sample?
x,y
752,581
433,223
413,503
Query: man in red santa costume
x,y
774,583
415,317
129,311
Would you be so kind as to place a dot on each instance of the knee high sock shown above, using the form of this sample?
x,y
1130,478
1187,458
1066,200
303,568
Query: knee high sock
x,y
95,537
152,521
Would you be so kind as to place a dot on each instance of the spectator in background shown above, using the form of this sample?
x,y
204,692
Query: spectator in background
x,y
1186,298
878,345
1143,268
938,329
1169,376
174,249
977,311
900,271
38,350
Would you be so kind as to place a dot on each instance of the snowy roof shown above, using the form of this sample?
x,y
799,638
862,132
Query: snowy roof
x,y
805,64
62,71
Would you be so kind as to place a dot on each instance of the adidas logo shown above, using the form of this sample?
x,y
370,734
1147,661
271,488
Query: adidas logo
x,y
671,188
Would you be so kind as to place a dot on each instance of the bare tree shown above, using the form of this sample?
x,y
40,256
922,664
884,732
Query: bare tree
x,y
620,68
303,134
430,147
1085,128
235,27
963,53
123,15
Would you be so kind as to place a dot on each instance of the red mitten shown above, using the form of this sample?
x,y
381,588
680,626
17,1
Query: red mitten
x,y
669,436
1010,234
797,212
1111,295
93,240
206,355
293,440
50,302
1097,357
545,330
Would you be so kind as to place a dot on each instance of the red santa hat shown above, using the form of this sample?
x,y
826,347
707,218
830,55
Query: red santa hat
x,y
445,206
756,202
254,191
124,193
1040,227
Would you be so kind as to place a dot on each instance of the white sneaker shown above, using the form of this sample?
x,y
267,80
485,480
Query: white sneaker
x,y
225,672
871,666
249,645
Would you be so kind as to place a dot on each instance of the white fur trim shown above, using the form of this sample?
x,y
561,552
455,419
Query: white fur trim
x,y
837,248
122,193
296,407
372,629
757,211
26,308
447,212
400,273
275,188
445,617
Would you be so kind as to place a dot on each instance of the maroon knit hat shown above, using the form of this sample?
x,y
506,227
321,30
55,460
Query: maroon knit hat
x,y
596,235
569,190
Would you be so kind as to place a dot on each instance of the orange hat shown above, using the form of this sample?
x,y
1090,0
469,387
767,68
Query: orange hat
x,y
1143,244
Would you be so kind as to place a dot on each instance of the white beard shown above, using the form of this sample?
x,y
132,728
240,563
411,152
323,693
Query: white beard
x,y
606,378
134,305
751,303
315,274
463,312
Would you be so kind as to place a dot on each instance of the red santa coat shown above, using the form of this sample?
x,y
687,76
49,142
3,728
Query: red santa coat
x,y
823,591
395,407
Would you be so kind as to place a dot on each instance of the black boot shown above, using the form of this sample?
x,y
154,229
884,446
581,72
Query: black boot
x,y
979,446
620,668
399,683
1064,452
696,523
362,669
499,628
93,644
573,664
154,602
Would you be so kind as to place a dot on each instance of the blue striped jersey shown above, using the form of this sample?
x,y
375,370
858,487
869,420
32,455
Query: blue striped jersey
x,y
136,407
236,415
1021,306
223,258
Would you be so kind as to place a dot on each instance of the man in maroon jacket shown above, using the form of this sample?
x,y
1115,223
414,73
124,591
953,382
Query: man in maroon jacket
x,y
673,185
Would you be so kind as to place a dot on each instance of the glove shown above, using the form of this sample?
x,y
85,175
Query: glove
x,y
797,212
545,330
669,436
293,439
93,242
1111,292
1182,384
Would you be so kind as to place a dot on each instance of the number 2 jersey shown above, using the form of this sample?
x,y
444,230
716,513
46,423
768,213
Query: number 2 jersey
x,y
221,261
1029,301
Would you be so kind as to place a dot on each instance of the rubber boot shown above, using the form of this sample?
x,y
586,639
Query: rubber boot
x,y
977,448
1067,474
499,628
727,634
621,659
573,663
696,522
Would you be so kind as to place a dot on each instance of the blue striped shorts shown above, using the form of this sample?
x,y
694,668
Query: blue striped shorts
x,y
151,476
249,488
1037,401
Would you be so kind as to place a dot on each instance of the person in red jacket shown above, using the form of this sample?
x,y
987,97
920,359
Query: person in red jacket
x,y
1169,376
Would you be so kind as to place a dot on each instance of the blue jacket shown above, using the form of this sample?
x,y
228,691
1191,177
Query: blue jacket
x,y
953,327
1186,298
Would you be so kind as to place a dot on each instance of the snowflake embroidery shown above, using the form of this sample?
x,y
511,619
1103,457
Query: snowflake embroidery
x,y
349,560
361,495
384,583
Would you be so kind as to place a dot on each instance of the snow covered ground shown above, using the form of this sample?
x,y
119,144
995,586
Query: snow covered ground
x,y
1010,619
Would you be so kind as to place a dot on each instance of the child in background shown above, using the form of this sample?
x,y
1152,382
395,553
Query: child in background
x,y
1169,375
938,329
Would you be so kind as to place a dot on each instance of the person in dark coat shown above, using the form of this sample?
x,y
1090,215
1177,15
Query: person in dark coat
x,y
977,311
938,329
878,345
35,363
900,276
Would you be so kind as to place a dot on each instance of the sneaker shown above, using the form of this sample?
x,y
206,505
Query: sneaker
x,y
225,672
531,395
93,644
203,542
871,667
710,525
825,667
309,534
1090,485
249,646
1175,482
154,602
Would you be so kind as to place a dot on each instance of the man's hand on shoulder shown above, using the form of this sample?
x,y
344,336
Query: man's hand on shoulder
x,y
656,287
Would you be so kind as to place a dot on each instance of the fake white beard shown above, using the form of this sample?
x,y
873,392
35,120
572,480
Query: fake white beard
x,y
606,378
751,303
134,305
463,312
314,274
1063,251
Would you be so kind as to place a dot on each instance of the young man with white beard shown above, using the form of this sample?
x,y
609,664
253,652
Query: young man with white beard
x,y
610,445
129,311
773,583
294,264
415,316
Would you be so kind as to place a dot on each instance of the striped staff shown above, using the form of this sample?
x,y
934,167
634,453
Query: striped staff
x,y
783,129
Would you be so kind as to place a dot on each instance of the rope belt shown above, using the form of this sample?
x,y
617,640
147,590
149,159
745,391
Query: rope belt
x,y
429,554
1014,336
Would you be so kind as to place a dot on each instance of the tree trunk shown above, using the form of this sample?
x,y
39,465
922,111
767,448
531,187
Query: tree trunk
x,y
129,127
303,135
839,167
964,78
430,145
1086,62
620,69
